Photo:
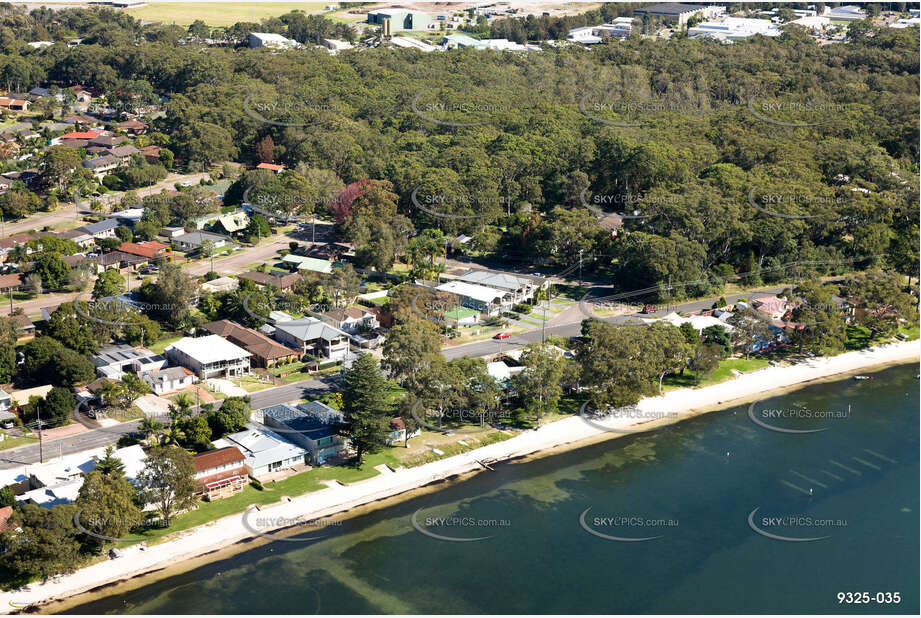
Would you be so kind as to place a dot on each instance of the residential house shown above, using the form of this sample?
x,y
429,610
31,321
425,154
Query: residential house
x,y
151,154
132,127
79,236
313,425
101,166
123,153
308,264
21,397
220,473
771,306
352,319
233,222
398,432
5,514
520,288
169,379
6,403
101,229
265,351
128,216
314,337
150,249
14,104
219,285
264,451
119,260
194,240
272,167
461,317
115,360
480,298
24,326
282,282
210,357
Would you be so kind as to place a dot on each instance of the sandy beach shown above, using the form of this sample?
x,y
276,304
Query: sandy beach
x,y
572,431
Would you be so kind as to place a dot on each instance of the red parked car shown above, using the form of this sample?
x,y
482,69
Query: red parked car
x,y
649,309
501,336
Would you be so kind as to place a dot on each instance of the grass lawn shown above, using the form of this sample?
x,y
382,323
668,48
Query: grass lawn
x,y
454,448
160,345
720,374
913,333
12,442
299,484
220,13
860,337
251,384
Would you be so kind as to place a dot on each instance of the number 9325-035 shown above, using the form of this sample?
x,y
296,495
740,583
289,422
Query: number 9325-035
x,y
866,598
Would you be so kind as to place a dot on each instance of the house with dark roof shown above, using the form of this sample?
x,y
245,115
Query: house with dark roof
x,y
265,351
193,241
313,337
101,229
672,12
282,282
101,166
132,127
314,426
220,473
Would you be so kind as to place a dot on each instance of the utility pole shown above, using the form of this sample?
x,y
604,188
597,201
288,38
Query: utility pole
x,y
41,451
580,268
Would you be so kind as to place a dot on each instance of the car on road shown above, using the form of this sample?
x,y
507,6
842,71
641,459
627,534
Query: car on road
x,y
501,336
649,309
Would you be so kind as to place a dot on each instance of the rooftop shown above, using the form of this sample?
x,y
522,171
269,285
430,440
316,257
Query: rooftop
x,y
209,349
308,329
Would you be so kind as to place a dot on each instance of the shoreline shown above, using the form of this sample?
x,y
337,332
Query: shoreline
x,y
233,534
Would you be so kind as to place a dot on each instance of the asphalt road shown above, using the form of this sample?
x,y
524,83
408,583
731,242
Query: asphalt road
x,y
104,436
312,388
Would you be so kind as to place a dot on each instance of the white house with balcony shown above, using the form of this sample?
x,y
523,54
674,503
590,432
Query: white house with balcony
x,y
210,357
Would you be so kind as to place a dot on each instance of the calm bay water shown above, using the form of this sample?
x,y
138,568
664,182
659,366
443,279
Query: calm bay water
x,y
692,486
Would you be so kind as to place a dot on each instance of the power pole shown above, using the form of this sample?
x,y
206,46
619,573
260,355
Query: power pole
x,y
41,451
580,268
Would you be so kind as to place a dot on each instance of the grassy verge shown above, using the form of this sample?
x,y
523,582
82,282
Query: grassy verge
x,y
299,484
15,442
722,373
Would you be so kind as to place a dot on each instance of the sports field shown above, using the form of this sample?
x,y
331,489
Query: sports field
x,y
219,13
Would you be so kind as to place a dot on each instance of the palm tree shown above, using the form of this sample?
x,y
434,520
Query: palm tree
x,y
173,435
149,426
182,405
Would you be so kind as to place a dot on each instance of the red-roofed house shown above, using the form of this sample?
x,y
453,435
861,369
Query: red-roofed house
x,y
5,514
87,135
270,166
150,249
19,105
132,127
771,305
220,473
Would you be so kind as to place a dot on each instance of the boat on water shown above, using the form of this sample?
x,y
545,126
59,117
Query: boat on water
x,y
861,377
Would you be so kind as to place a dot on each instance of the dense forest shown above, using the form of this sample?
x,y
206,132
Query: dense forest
x,y
727,160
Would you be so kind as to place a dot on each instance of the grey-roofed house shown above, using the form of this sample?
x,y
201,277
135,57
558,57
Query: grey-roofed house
x,y
113,361
101,229
264,451
78,235
100,166
123,153
194,240
169,379
312,425
314,337
521,288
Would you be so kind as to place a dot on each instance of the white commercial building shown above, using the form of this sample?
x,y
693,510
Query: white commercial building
x,y
271,40
733,28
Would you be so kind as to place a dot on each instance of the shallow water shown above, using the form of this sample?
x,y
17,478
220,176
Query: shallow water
x,y
691,485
